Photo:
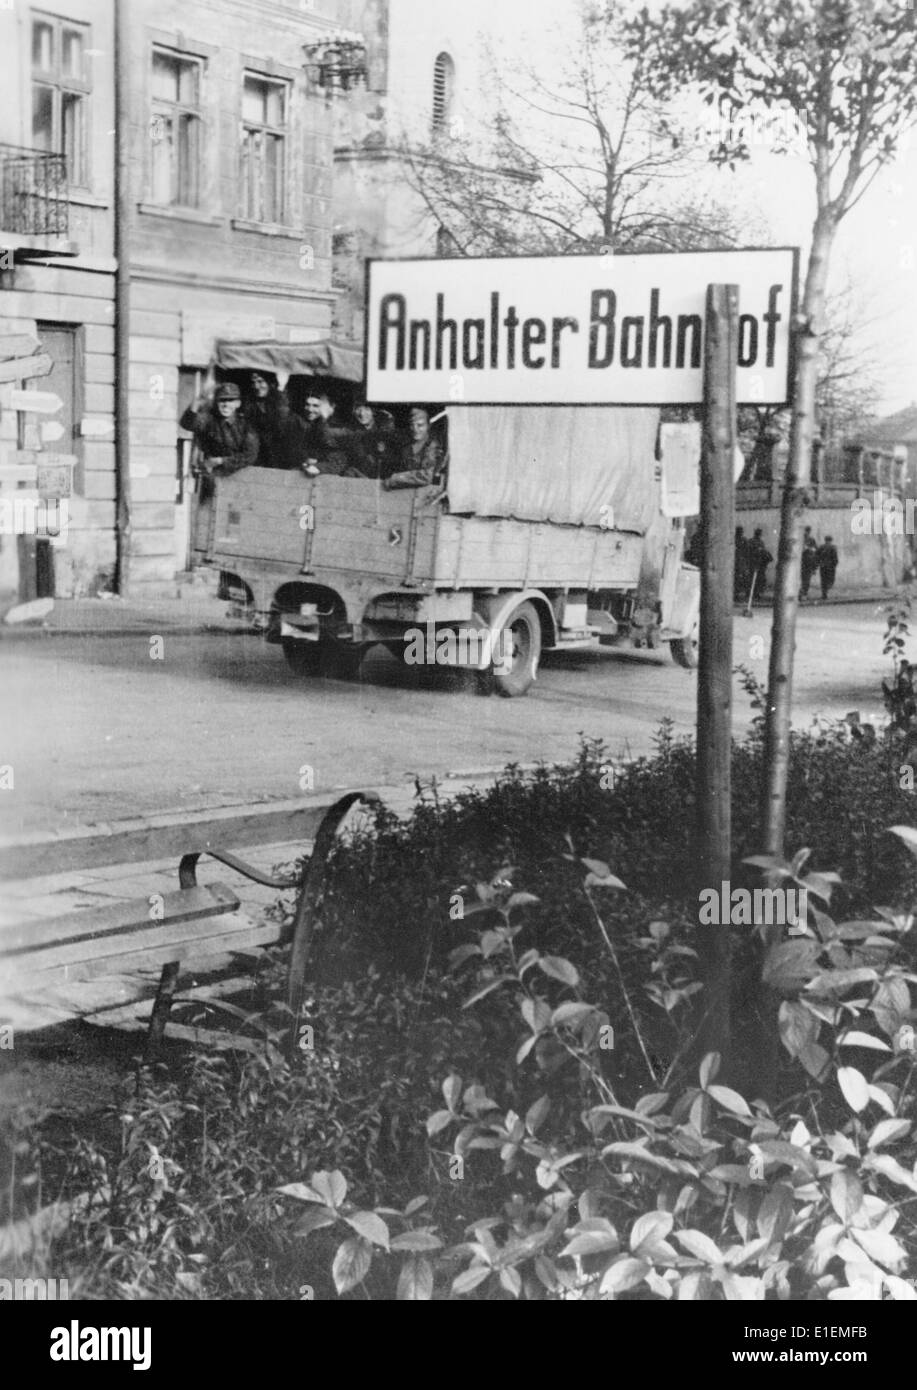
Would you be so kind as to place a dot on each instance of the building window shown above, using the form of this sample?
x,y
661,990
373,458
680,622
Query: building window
x,y
443,90
176,125
264,146
60,92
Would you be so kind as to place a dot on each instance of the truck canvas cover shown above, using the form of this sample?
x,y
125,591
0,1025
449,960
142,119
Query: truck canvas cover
x,y
555,463
325,358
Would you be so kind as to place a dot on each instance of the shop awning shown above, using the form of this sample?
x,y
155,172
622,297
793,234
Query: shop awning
x,y
325,358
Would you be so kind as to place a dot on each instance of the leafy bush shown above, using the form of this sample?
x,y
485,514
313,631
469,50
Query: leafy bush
x,y
555,1158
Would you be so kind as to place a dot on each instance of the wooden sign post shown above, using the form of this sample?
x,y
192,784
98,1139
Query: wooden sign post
x,y
714,676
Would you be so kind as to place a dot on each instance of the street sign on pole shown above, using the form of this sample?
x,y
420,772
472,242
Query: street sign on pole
x,y
573,330
38,402
24,368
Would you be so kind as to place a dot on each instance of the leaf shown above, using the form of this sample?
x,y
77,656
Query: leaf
x,y
415,1282
882,1247
846,1195
452,1089
798,1026
571,1012
636,1151
351,1264
890,1168
709,1068
789,1153
536,1114
729,1099
887,1131
649,1229
815,1059
742,1288
416,1240
491,942
880,1096
854,1087
536,1013
370,1226
597,867
837,981
907,835
301,1191
560,969
789,964
700,1246
438,1121
599,1237
775,1212
470,1278
856,1039
314,1220
332,1187
626,1273
511,1281
487,989
520,900
463,953
900,1289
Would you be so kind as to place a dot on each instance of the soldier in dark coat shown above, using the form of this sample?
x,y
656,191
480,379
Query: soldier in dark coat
x,y
282,441
225,440
759,557
809,561
372,444
742,570
827,566
326,442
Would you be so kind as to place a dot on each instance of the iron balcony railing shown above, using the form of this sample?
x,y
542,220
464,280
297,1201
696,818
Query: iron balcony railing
x,y
33,192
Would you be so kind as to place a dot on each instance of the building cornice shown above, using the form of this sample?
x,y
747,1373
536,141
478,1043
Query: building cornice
x,y
283,290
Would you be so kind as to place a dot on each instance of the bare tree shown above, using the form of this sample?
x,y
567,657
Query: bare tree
x,y
584,162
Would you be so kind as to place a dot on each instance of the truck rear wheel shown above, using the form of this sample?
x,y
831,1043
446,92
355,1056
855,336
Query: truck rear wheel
x,y
685,649
515,663
303,658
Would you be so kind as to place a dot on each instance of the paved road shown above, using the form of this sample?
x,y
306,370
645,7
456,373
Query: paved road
x,y
96,730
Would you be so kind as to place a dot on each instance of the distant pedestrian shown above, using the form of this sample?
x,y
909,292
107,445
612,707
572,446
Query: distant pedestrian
x,y
809,561
742,571
759,557
827,566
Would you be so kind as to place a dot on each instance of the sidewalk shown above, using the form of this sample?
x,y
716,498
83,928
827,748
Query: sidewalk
x,y
194,609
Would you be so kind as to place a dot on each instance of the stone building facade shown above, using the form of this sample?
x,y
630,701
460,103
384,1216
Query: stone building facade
x,y
225,214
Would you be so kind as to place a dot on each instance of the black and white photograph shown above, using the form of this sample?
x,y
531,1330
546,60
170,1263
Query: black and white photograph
x,y
458,665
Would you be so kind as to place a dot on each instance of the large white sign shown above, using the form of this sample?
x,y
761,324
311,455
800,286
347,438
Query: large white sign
x,y
573,330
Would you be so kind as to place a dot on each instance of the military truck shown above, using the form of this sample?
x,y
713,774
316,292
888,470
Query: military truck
x,y
557,528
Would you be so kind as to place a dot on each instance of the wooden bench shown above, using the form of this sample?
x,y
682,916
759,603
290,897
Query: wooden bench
x,y
164,929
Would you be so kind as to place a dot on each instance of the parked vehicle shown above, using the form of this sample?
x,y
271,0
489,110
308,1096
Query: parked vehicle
x,y
550,533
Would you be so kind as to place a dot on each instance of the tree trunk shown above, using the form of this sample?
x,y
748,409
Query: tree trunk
x,y
789,553
783,630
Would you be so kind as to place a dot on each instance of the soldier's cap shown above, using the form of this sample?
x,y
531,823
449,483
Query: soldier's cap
x,y
228,391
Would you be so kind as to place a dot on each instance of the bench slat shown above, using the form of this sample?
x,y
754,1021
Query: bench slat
x,y
162,837
121,918
218,934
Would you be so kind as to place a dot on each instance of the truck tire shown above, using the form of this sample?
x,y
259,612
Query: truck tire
x,y
303,658
685,649
523,630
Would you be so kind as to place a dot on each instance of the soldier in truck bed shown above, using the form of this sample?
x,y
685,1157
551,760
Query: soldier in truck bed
x,y
225,440
423,458
325,441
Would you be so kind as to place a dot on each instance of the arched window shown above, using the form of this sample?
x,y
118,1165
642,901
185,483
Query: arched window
x,y
443,90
